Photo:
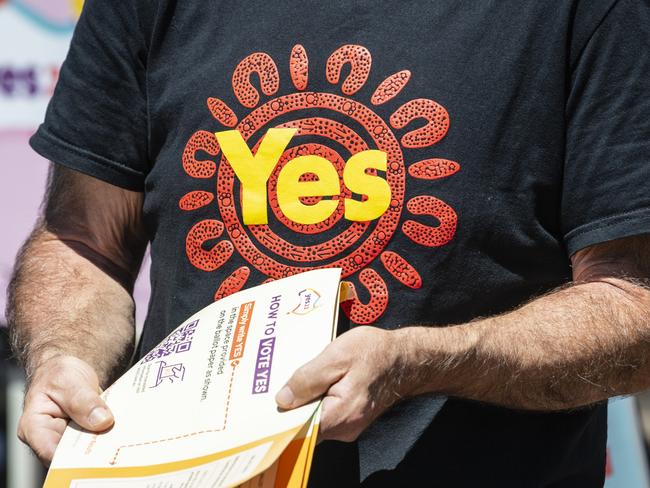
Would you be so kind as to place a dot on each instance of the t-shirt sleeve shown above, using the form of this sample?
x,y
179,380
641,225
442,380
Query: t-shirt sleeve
x,y
96,122
606,181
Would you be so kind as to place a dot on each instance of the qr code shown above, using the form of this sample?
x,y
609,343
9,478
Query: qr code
x,y
179,341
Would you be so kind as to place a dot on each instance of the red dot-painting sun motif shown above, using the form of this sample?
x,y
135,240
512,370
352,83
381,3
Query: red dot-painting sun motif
x,y
355,247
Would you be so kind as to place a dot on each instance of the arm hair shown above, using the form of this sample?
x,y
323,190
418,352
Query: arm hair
x,y
70,293
576,346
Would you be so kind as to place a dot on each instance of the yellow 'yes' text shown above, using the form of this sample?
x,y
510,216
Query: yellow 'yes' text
x,y
254,170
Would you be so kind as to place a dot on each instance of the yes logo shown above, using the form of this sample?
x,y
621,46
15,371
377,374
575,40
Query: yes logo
x,y
254,170
279,204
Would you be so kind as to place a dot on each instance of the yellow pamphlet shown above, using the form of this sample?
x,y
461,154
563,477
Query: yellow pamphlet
x,y
199,409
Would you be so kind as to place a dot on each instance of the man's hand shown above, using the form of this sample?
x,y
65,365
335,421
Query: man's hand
x,y
573,347
359,375
70,304
62,388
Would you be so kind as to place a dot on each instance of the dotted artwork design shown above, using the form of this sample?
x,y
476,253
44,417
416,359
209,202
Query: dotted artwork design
x,y
277,249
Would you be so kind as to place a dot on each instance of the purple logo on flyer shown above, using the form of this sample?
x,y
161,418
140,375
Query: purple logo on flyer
x,y
263,366
171,373
309,299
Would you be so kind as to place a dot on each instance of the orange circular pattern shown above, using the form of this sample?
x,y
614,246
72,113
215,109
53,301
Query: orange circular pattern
x,y
385,226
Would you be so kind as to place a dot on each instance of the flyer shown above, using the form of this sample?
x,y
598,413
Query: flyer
x,y
199,409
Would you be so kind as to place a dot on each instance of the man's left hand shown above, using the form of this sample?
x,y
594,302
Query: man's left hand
x,y
360,376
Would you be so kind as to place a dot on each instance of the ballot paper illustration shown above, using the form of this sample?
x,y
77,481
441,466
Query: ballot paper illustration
x,y
199,409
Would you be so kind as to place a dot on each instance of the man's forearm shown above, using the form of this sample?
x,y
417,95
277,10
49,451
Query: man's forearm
x,y
63,303
573,347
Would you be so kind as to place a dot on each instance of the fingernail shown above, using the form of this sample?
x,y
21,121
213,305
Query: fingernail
x,y
98,416
285,397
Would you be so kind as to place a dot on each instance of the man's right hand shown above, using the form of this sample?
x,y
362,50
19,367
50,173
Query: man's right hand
x,y
63,388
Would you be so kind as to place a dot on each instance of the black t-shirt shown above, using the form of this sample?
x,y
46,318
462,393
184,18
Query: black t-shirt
x,y
496,138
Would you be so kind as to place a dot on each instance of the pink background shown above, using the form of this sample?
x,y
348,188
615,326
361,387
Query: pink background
x,y
54,10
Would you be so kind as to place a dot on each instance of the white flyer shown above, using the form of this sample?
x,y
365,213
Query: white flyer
x,y
199,409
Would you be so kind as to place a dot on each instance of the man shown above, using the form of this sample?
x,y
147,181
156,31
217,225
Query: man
x,y
457,160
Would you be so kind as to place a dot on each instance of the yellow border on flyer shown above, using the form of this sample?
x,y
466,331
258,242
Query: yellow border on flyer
x,y
61,478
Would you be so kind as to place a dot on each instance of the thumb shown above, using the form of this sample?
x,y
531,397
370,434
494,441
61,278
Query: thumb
x,y
88,410
311,381
77,392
